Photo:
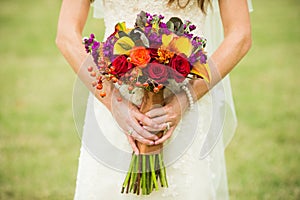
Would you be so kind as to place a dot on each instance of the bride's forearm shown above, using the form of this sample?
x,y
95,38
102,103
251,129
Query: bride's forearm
x,y
71,22
224,59
79,60
72,19
72,49
236,43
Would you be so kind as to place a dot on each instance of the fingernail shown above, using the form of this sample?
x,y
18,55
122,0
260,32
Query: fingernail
x,y
152,143
136,153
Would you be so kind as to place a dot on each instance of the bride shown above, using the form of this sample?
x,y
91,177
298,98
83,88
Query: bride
x,y
196,139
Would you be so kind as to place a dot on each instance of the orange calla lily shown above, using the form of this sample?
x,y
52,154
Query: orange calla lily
x,y
202,70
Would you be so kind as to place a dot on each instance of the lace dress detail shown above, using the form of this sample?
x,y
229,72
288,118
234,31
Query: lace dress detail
x,y
115,12
189,177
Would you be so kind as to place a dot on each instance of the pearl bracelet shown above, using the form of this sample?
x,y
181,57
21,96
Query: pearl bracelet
x,y
189,96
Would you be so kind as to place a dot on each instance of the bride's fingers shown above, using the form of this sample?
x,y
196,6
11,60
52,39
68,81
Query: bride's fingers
x,y
161,120
151,129
133,144
143,132
156,112
165,137
141,139
132,124
162,126
145,120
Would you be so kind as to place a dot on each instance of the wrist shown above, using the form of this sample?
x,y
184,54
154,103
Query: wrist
x,y
189,96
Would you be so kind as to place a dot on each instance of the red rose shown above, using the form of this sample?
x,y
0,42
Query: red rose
x,y
157,72
180,68
153,52
121,65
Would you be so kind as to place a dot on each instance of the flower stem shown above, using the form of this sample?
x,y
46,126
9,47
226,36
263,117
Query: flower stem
x,y
144,174
128,174
162,171
152,163
133,174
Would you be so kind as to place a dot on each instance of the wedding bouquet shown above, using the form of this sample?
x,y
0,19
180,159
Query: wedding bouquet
x,y
149,56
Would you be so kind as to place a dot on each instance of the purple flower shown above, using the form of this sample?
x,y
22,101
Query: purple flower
x,y
188,35
193,58
192,27
203,58
87,49
162,25
194,43
90,41
153,37
165,31
95,56
108,47
95,46
148,29
155,40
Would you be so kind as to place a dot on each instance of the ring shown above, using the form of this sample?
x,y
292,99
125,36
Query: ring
x,y
167,126
130,132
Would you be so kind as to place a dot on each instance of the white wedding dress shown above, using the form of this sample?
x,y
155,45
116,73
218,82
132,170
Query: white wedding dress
x,y
194,156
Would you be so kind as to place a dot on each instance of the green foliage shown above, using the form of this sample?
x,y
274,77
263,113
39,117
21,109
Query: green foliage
x,y
38,142
176,25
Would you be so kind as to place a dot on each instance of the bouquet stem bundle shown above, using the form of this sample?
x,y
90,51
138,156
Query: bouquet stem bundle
x,y
144,174
147,168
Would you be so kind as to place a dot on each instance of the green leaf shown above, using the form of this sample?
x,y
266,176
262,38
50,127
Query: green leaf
x,y
178,25
141,20
139,37
170,26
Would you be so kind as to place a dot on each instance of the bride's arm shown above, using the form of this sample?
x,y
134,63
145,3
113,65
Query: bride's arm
x,y
236,43
72,19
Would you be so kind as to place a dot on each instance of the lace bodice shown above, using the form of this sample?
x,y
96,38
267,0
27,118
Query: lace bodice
x,y
119,11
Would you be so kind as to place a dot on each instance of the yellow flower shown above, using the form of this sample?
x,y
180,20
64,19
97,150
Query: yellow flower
x,y
178,45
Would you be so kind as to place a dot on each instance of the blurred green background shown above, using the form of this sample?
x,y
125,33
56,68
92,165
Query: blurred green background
x,y
39,146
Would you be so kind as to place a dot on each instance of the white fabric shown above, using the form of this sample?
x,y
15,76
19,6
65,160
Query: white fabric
x,y
214,35
105,152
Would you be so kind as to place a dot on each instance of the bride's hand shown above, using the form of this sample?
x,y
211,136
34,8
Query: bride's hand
x,y
170,114
129,118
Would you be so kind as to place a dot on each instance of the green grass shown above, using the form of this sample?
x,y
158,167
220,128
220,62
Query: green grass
x,y
39,146
263,158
